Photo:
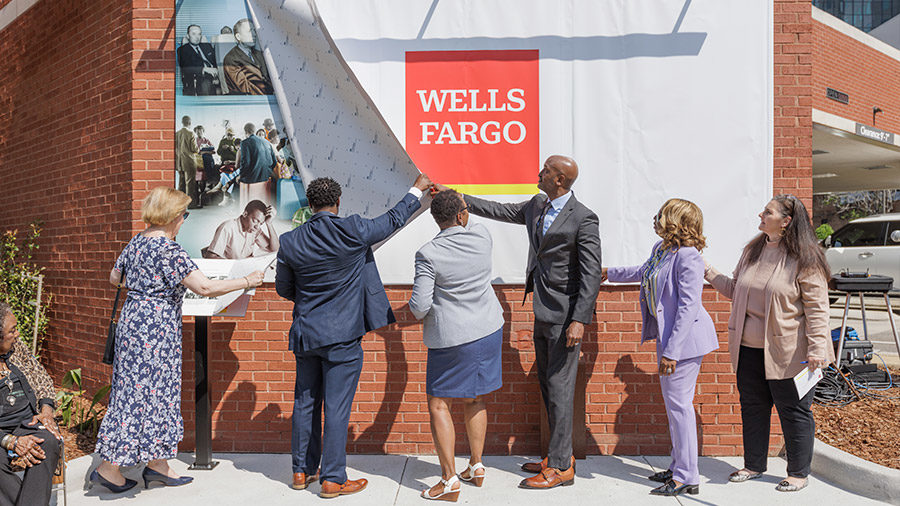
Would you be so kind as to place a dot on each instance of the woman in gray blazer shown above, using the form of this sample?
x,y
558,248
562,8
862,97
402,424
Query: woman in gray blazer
x,y
462,328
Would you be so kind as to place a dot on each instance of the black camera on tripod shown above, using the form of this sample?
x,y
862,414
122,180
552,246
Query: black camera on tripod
x,y
856,357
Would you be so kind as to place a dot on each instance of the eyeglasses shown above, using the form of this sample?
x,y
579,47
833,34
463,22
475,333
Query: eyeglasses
x,y
464,209
185,215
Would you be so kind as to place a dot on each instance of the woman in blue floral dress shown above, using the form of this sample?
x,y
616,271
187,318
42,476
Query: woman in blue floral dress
x,y
143,422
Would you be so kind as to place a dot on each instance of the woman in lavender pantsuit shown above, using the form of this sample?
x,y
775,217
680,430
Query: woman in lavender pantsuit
x,y
672,314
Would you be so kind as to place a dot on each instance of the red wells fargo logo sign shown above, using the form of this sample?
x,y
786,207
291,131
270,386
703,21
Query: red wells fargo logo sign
x,y
472,119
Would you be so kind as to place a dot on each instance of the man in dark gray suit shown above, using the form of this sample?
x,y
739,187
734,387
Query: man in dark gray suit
x,y
564,274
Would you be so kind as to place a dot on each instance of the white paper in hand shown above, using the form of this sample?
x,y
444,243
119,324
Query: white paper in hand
x,y
806,380
197,305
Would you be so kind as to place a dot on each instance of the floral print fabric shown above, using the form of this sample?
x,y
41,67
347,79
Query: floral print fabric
x,y
144,421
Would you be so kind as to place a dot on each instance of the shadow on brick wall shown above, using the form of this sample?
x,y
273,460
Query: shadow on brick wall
x,y
513,411
641,404
374,438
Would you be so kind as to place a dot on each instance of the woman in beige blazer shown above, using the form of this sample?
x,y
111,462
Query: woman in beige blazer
x,y
778,326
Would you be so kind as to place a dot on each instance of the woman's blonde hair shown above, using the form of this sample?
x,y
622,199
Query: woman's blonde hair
x,y
163,205
680,223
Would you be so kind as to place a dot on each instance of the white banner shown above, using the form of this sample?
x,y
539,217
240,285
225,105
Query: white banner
x,y
653,98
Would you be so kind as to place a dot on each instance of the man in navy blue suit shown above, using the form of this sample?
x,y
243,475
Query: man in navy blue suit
x,y
327,268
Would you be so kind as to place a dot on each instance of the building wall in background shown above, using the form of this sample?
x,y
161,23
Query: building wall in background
x,y
870,76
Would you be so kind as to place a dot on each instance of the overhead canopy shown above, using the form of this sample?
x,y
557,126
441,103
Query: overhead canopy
x,y
844,161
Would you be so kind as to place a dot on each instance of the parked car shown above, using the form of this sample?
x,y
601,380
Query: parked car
x,y
867,244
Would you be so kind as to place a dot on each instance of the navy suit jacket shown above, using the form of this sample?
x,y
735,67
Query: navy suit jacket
x,y
327,268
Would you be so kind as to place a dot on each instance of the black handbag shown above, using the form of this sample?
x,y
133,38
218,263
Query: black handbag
x,y
110,351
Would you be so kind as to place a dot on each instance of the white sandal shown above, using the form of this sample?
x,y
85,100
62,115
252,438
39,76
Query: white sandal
x,y
449,493
473,478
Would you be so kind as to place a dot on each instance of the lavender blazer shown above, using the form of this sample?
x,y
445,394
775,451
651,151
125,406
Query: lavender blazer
x,y
682,328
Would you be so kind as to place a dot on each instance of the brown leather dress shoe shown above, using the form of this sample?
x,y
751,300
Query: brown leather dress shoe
x,y
302,480
536,467
331,489
549,478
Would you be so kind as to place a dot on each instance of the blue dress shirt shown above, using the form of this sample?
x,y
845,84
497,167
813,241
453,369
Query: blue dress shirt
x,y
556,206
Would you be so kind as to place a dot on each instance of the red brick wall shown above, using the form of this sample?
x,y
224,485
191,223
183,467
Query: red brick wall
x,y
65,134
837,64
793,99
252,373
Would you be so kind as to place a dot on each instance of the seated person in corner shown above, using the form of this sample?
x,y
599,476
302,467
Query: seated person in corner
x,y
250,234
27,426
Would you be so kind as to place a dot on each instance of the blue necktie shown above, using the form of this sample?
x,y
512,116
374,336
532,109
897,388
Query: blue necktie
x,y
540,223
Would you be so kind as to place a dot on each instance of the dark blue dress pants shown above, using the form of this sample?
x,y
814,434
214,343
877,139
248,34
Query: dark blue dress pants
x,y
325,376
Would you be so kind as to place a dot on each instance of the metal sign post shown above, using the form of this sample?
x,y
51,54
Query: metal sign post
x,y
202,412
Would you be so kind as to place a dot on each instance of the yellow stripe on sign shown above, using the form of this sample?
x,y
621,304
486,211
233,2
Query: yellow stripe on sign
x,y
496,189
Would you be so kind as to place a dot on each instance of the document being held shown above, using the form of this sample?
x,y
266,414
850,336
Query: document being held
x,y
806,379
197,305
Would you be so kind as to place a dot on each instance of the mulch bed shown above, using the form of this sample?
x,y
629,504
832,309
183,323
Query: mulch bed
x,y
868,428
77,445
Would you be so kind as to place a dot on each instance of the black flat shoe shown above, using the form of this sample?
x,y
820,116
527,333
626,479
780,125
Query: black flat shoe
x,y
662,476
115,489
669,488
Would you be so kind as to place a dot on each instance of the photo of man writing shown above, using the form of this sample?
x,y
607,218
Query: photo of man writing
x,y
250,234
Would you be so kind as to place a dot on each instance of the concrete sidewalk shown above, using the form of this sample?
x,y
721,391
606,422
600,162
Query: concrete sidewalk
x,y
258,479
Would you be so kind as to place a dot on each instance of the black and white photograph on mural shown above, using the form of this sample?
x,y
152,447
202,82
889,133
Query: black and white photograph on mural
x,y
232,157
217,50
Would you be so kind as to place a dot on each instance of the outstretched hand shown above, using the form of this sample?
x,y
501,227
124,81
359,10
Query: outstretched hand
x,y
254,279
438,188
423,182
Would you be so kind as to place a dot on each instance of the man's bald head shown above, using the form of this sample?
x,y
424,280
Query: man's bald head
x,y
565,166
557,175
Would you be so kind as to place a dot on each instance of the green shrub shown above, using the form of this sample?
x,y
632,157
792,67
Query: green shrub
x,y
71,405
18,283
824,231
